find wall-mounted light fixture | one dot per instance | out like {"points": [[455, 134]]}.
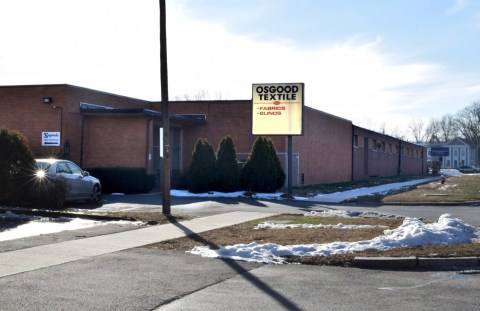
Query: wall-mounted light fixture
{"points": [[47, 100]]}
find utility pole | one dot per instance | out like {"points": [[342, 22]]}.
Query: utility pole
{"points": [[165, 111]]}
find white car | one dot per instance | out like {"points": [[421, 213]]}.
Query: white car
{"points": [[468, 169], [80, 185]]}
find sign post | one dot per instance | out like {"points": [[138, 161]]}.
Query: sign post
{"points": [[278, 110], [165, 111]]}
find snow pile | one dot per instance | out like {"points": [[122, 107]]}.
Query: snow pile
{"points": [[413, 232], [210, 194], [271, 225], [333, 213], [338, 197], [450, 172], [347, 214], [236, 194], [25, 225]]}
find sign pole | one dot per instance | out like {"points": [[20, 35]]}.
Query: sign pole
{"points": [[165, 111], [289, 161]]}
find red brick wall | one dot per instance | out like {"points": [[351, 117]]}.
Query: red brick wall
{"points": [[325, 148], [223, 118], [21, 108], [382, 162], [115, 141]]}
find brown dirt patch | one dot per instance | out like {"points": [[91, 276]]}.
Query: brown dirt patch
{"points": [[462, 188], [244, 233]]}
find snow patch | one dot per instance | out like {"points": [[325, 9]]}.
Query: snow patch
{"points": [[26, 225], [271, 225], [413, 232]]}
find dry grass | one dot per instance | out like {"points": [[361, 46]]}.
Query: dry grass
{"points": [[244, 233], [463, 188]]}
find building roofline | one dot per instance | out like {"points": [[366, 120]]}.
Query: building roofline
{"points": [[207, 101], [388, 136], [184, 119], [74, 87], [328, 114]]}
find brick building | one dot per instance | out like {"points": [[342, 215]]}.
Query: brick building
{"points": [[99, 129]]}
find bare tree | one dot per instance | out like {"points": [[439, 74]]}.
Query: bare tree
{"points": [[468, 125], [200, 95], [398, 135], [447, 127], [382, 129], [185, 96], [417, 129], [432, 130]]}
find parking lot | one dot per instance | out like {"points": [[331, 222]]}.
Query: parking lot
{"points": [[148, 279]]}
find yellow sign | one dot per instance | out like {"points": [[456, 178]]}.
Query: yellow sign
{"points": [[277, 109]]}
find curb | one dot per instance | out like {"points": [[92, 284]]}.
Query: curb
{"points": [[413, 262], [57, 214]]}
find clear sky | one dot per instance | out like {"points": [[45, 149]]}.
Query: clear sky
{"points": [[379, 63]]}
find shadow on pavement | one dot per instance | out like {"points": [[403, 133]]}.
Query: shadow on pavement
{"points": [[284, 301], [156, 200]]}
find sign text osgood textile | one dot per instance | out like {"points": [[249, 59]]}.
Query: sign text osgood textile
{"points": [[277, 109]]}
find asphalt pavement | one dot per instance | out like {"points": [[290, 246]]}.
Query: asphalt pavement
{"points": [[109, 269]]}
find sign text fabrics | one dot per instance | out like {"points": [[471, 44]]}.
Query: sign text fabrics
{"points": [[277, 109]]}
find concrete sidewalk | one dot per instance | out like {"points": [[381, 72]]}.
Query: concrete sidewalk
{"points": [[54, 254]]}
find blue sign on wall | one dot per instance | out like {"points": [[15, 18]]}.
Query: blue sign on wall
{"points": [[439, 151]]}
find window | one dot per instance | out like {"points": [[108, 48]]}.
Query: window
{"points": [[355, 141], [375, 144], [74, 169], [390, 148], [383, 146]]}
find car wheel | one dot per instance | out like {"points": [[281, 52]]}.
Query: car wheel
{"points": [[96, 195]]}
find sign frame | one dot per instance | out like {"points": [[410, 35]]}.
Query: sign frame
{"points": [[439, 152], [51, 139], [278, 109]]}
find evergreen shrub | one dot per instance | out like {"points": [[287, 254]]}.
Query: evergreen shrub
{"points": [[48, 192], [202, 173], [261, 172], [228, 174], [279, 173], [17, 165]]}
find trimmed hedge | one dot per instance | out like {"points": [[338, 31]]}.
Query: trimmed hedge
{"points": [[123, 179]]}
